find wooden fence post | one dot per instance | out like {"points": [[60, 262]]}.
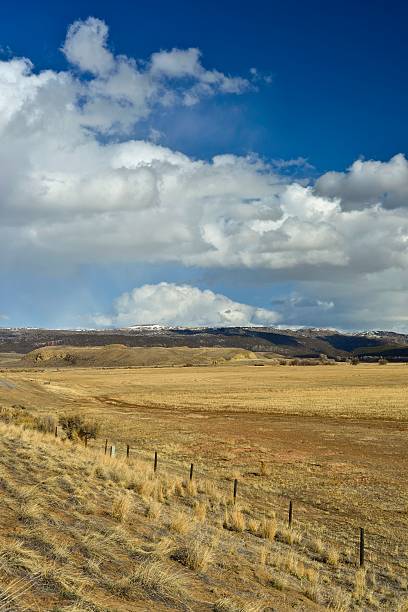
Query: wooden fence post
{"points": [[191, 471], [155, 462], [361, 546], [56, 431], [112, 450], [290, 516], [235, 490], [106, 446], [127, 451]]}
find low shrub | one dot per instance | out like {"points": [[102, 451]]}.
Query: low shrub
{"points": [[46, 423], [75, 426]]}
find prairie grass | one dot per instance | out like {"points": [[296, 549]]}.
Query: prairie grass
{"points": [[181, 523], [154, 509], [313, 592], [291, 564], [196, 554], [332, 556], [268, 528], [360, 585], [156, 578], [200, 511], [191, 488], [121, 507], [317, 546], [339, 600], [30, 511], [253, 526], [234, 520], [289, 535], [72, 536], [278, 582], [263, 556]]}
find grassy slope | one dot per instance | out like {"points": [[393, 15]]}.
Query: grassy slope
{"points": [[80, 531], [120, 355]]}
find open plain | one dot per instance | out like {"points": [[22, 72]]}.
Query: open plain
{"points": [[333, 439]]}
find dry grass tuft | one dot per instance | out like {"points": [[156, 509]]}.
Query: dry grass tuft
{"points": [[312, 592], [209, 488], [265, 577], [268, 528], [263, 556], [154, 509], [30, 511], [317, 546], [291, 563], [253, 526], [178, 488], [332, 556], [181, 523], [121, 507], [195, 554], [145, 488], [101, 472], [289, 535], [158, 579], [200, 511], [279, 583], [360, 584], [191, 488], [339, 600], [160, 549], [67, 484], [234, 520], [164, 547], [264, 469]]}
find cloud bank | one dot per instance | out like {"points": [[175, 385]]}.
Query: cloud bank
{"points": [[77, 188], [171, 304]]}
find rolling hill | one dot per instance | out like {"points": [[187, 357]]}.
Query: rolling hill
{"points": [[120, 355], [289, 343]]}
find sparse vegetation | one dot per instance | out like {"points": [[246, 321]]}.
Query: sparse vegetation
{"points": [[234, 520], [268, 528], [75, 426], [158, 579], [46, 423], [93, 529], [181, 523], [195, 554], [121, 507]]}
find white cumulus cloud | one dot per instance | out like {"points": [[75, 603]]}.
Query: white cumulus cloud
{"points": [[368, 183], [171, 304], [77, 188], [86, 46], [124, 90]]}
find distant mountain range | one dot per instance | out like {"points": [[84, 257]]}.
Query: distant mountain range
{"points": [[307, 342]]}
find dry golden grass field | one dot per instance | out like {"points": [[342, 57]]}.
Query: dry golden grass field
{"points": [[81, 531]]}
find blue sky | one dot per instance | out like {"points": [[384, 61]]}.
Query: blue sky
{"points": [[335, 66], [292, 92]]}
